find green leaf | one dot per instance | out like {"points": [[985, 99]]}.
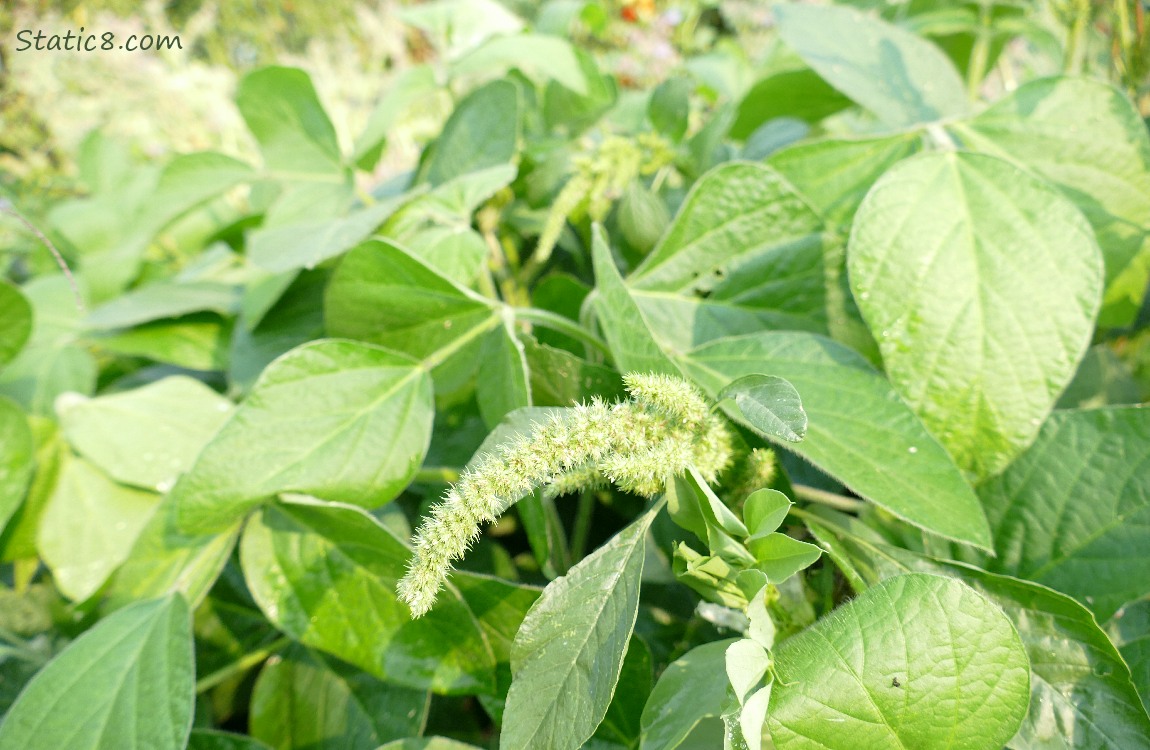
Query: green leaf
{"points": [[503, 385], [211, 739], [1073, 512], [338, 419], [89, 526], [980, 284], [780, 556], [383, 295], [126, 683], [17, 458], [196, 342], [621, 724], [550, 56], [147, 436], [482, 132], [427, 743], [571, 113], [326, 574], [408, 87], [916, 661], [669, 108], [627, 333], [308, 700], [568, 654], [747, 663], [834, 174], [769, 405], [16, 314], [686, 694], [765, 510], [800, 94], [306, 244], [1088, 139], [164, 299], [858, 430], [18, 539], [736, 217], [1081, 695], [284, 113], [900, 77]]}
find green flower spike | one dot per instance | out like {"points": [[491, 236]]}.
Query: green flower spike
{"points": [[638, 444]]}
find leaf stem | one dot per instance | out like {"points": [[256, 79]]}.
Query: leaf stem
{"points": [[241, 665], [829, 499], [582, 527], [980, 54], [557, 322]]}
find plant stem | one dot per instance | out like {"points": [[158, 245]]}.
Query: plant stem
{"points": [[582, 528], [437, 475], [980, 54], [241, 665], [829, 499], [556, 322], [1072, 62]]}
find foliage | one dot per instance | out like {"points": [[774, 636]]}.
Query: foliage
{"points": [[780, 404]]}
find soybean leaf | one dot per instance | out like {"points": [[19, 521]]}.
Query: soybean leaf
{"points": [[211, 739], [769, 405], [900, 77], [551, 56], [147, 436], [308, 700], [410, 86], [800, 94], [197, 342], [89, 526], [981, 285], [569, 651], [503, 385], [482, 132], [1087, 138], [1081, 694], [669, 108], [306, 561], [127, 682], [16, 312], [164, 299], [427, 743], [284, 113], [339, 419], [737, 218], [18, 539], [765, 510], [692, 688], [858, 430], [1096, 550], [834, 174], [17, 458], [287, 247], [781, 556], [627, 332], [383, 295], [858, 678]]}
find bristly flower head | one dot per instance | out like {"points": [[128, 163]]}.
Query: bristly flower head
{"points": [[638, 444]]}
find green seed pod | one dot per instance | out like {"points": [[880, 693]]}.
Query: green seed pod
{"points": [[642, 217]]}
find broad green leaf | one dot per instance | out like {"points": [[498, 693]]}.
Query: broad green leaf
{"points": [[482, 132], [669, 108], [900, 77], [427, 743], [769, 405], [408, 87], [212, 739], [287, 247], [800, 94], [306, 563], [16, 325], [835, 174], [504, 384], [196, 342], [747, 663], [765, 510], [737, 219], [781, 556], [1088, 139], [569, 651], [304, 699], [622, 723], [691, 689], [858, 430], [188, 181], [627, 332], [164, 299], [559, 378], [147, 436], [457, 253], [1073, 512], [981, 285], [126, 683], [1081, 695], [383, 295], [338, 419], [549, 56], [17, 458], [284, 113], [89, 526], [569, 112], [448, 204], [163, 561], [461, 25], [50, 363], [18, 540], [915, 661]]}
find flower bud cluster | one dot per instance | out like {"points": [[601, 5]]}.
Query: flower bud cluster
{"points": [[638, 444]]}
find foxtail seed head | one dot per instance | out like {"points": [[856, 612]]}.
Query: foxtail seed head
{"points": [[638, 444]]}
